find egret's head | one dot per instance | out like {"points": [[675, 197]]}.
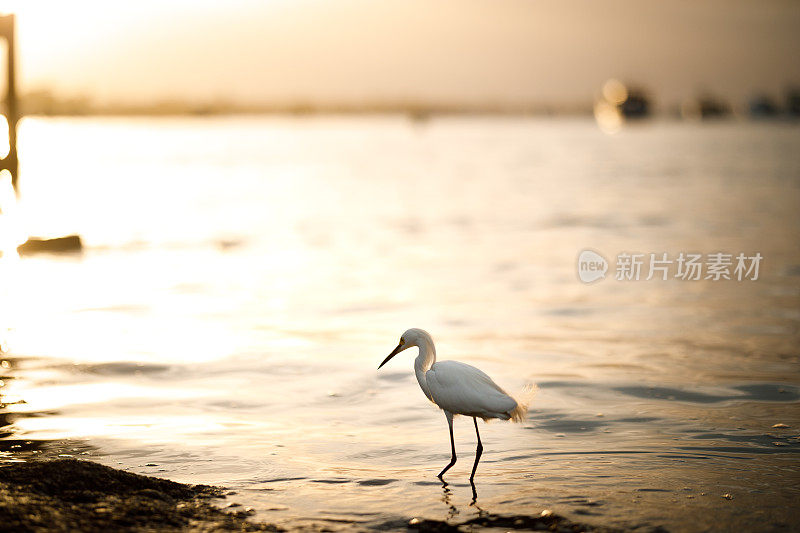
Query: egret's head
{"points": [[412, 337]]}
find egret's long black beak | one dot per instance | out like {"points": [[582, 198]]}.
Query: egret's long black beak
{"points": [[394, 352]]}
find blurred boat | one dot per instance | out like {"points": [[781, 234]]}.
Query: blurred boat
{"points": [[705, 107], [762, 106], [793, 102], [619, 103]]}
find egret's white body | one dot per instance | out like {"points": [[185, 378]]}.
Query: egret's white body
{"points": [[458, 389]]}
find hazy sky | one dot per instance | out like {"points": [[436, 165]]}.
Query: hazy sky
{"points": [[441, 50]]}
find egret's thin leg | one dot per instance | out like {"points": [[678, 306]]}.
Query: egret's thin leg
{"points": [[474, 492], [478, 451], [449, 416]]}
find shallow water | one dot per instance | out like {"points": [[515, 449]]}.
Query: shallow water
{"points": [[244, 277]]}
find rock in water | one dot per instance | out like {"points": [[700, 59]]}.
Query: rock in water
{"points": [[70, 243]]}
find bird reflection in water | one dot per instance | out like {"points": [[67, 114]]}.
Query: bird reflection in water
{"points": [[446, 498], [453, 511]]}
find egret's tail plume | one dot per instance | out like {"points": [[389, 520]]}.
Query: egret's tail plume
{"points": [[520, 412]]}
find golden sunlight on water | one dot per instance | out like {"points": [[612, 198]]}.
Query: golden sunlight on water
{"points": [[243, 278]]}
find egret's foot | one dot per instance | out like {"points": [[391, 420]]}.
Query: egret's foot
{"points": [[445, 470]]}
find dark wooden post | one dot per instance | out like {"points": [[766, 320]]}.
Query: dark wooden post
{"points": [[10, 162]]}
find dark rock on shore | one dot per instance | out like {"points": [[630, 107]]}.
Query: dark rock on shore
{"points": [[71, 495]]}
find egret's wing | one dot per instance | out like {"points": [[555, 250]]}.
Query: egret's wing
{"points": [[464, 389]]}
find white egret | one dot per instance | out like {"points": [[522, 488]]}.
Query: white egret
{"points": [[458, 389]]}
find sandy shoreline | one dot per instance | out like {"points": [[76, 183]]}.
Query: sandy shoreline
{"points": [[79, 495], [75, 495]]}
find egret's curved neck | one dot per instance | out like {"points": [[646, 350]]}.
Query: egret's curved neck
{"points": [[426, 357], [423, 363]]}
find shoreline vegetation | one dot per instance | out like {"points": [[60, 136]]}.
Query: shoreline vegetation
{"points": [[44, 102], [80, 495]]}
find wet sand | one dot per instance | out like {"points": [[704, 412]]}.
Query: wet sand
{"points": [[75, 495]]}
